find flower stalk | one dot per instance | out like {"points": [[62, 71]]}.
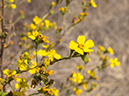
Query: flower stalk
{"points": [[2, 40]]}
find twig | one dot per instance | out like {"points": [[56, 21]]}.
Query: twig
{"points": [[2, 40]]}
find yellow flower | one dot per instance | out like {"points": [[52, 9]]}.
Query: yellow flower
{"points": [[54, 24], [77, 91], [85, 84], [34, 35], [32, 26], [86, 13], [47, 23], [33, 67], [110, 50], [36, 20], [11, 0], [77, 77], [21, 84], [22, 66], [80, 67], [101, 48], [91, 73], [93, 3], [46, 62], [50, 72], [30, 57], [12, 74], [1, 80], [42, 52], [34, 52], [29, 33], [114, 62], [55, 91], [45, 46], [20, 43], [45, 89], [81, 46], [5, 45], [1, 87], [53, 3], [11, 43], [29, 1], [52, 54], [23, 38], [82, 14], [13, 6], [45, 39], [62, 9], [34, 70], [6, 72]]}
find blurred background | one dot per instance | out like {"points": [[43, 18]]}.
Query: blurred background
{"points": [[106, 25]]}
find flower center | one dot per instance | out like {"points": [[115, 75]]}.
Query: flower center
{"points": [[81, 46]]}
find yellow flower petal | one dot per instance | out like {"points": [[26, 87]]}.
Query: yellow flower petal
{"points": [[88, 71], [93, 4], [11, 0], [110, 50], [111, 61], [13, 72], [117, 63], [57, 56], [6, 72], [88, 50], [19, 80], [74, 75], [13, 6], [29, 1], [116, 59], [42, 52], [81, 39], [73, 45], [32, 37], [17, 86], [111, 65], [89, 44], [80, 51]]}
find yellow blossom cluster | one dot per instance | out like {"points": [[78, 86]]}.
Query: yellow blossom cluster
{"points": [[50, 54], [91, 73], [45, 55], [39, 24], [38, 37], [77, 91], [10, 74], [109, 50], [49, 91], [23, 61], [22, 83], [12, 5]]}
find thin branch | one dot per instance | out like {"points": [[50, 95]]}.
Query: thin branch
{"points": [[2, 40]]}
